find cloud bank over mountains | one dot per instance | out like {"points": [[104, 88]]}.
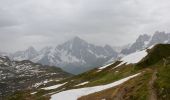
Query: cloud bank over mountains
{"points": [[50, 22]]}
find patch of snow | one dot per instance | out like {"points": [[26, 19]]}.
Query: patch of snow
{"points": [[97, 55], [58, 79], [146, 44], [74, 94], [33, 93], [37, 84], [53, 87], [1, 60], [101, 56], [105, 66], [98, 70], [91, 51], [82, 83], [166, 41], [133, 58], [41, 83], [151, 47], [47, 81], [66, 57]]}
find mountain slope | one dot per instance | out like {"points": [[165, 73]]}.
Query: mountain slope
{"points": [[75, 56], [151, 70], [20, 75]]}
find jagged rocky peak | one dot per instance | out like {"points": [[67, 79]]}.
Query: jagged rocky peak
{"points": [[46, 49], [70, 55], [25, 55], [159, 37], [110, 50], [143, 38], [77, 39], [31, 49], [140, 43], [75, 42], [108, 46], [144, 41]]}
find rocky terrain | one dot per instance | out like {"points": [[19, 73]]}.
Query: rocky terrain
{"points": [[21, 75]]}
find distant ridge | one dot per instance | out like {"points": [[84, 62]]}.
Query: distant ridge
{"points": [[145, 40], [75, 55]]}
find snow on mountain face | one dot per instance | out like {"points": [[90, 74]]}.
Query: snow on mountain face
{"points": [[145, 41], [73, 54]]}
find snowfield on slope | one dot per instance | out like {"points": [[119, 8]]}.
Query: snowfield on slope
{"points": [[82, 83], [133, 58], [103, 67], [74, 94], [53, 87]]}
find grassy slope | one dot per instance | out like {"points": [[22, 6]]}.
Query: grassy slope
{"points": [[156, 54], [134, 89], [162, 83], [95, 78], [138, 88]]}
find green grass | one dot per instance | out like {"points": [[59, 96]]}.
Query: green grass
{"points": [[134, 89], [163, 82], [112, 75], [140, 90], [25, 95]]}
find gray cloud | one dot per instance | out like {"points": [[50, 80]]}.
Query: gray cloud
{"points": [[49, 22]]}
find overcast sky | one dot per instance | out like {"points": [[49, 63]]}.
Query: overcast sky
{"points": [[50, 22]]}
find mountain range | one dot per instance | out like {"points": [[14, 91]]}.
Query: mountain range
{"points": [[145, 40], [77, 55], [74, 56]]}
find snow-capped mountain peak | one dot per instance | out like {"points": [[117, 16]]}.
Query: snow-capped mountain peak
{"points": [[72, 54]]}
